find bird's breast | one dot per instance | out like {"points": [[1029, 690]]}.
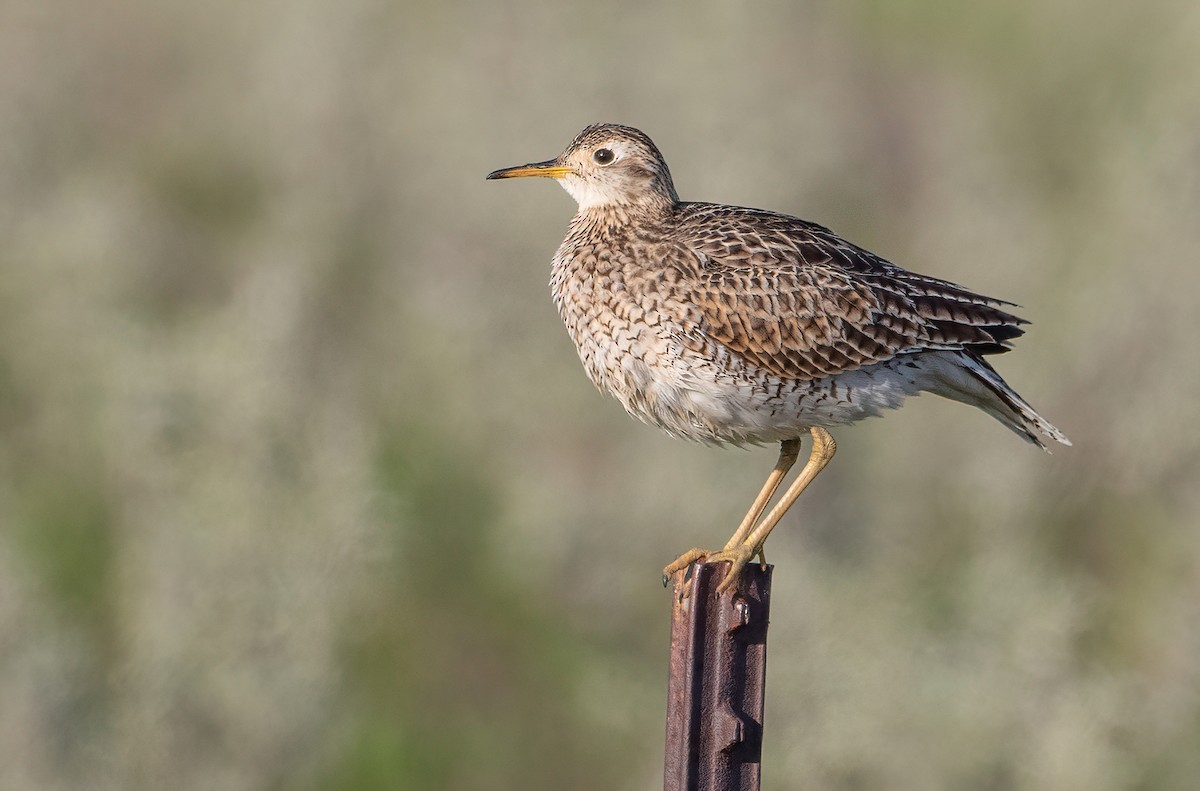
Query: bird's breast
{"points": [[635, 329], [612, 313]]}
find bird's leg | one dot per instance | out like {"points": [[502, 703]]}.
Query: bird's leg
{"points": [[823, 449], [789, 451]]}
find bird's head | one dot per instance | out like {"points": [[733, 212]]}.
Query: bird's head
{"points": [[607, 165]]}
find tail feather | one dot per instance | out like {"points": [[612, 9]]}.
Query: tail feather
{"points": [[971, 380]]}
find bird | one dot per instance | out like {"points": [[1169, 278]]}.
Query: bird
{"points": [[736, 326]]}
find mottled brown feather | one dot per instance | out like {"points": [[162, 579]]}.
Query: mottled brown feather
{"points": [[809, 304]]}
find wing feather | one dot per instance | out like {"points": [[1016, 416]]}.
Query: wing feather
{"points": [[800, 302]]}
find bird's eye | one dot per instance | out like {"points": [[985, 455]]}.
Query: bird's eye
{"points": [[604, 156]]}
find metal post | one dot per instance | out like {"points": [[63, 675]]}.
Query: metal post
{"points": [[718, 673]]}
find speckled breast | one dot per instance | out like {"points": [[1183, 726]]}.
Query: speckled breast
{"points": [[613, 313]]}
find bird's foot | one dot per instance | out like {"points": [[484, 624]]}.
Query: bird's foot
{"points": [[683, 561], [738, 557]]}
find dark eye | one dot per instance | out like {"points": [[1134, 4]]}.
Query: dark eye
{"points": [[604, 156]]}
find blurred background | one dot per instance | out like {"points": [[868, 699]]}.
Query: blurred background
{"points": [[302, 485]]}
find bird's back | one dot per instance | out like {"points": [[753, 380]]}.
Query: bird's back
{"points": [[797, 300]]}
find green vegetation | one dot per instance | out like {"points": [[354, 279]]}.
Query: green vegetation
{"points": [[301, 486]]}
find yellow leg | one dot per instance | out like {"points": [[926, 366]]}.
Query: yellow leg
{"points": [[789, 451], [823, 449]]}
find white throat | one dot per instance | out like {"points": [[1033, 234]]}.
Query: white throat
{"points": [[584, 192]]}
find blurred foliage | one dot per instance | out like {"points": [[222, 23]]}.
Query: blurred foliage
{"points": [[426, 656], [301, 485]]}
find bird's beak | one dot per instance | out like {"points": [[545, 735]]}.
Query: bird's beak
{"points": [[548, 169]]}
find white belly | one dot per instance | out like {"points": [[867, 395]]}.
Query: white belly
{"points": [[699, 400]]}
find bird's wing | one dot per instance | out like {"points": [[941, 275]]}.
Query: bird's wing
{"points": [[798, 301]]}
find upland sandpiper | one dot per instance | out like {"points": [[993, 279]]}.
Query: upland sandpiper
{"points": [[732, 325]]}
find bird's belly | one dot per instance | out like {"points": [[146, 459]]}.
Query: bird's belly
{"points": [[703, 400]]}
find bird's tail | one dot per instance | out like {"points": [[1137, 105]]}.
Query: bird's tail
{"points": [[972, 381]]}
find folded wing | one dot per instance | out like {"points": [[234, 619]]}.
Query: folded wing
{"points": [[798, 301]]}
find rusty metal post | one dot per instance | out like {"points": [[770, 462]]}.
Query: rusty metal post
{"points": [[718, 674]]}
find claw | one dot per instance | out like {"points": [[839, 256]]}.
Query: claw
{"points": [[685, 560]]}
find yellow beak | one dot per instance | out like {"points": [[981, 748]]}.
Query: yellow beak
{"points": [[548, 169]]}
